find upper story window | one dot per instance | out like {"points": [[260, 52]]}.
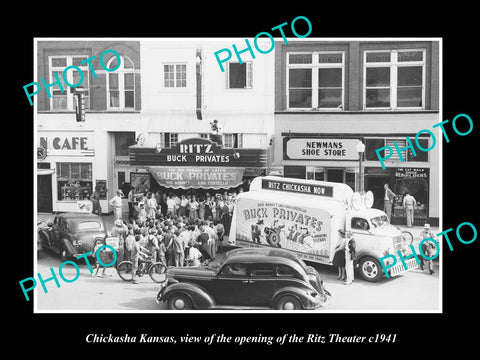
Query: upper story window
{"points": [[121, 84], [175, 75], [239, 76], [64, 100], [168, 140], [233, 141], [315, 80], [123, 140], [394, 79]]}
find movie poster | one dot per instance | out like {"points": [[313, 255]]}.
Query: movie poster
{"points": [[304, 230]]}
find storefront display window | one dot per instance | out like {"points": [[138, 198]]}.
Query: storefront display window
{"points": [[74, 181], [350, 179], [315, 173], [415, 182]]}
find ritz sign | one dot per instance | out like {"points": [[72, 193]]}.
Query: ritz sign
{"points": [[195, 148]]}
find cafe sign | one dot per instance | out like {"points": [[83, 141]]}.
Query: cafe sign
{"points": [[180, 177], [320, 149], [67, 143]]}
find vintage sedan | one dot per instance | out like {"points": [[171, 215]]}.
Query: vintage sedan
{"points": [[246, 278], [72, 234]]}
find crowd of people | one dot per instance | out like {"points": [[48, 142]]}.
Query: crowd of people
{"points": [[183, 230]]}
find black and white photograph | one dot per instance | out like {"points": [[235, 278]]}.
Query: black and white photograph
{"points": [[238, 174], [288, 182]]}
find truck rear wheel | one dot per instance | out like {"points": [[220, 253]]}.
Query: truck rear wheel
{"points": [[370, 269]]}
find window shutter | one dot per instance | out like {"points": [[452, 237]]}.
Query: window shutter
{"points": [[249, 75]]}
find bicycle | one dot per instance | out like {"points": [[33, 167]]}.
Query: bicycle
{"points": [[156, 270]]}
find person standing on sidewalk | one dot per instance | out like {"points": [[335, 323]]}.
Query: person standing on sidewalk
{"points": [[428, 248], [409, 203], [350, 255], [178, 249], [388, 201], [116, 204], [130, 203], [97, 209], [339, 257], [120, 230]]}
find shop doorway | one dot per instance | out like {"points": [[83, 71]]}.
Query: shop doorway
{"points": [[122, 176], [376, 185], [44, 193]]}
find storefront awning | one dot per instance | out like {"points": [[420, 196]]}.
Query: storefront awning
{"points": [[45, 171], [200, 177]]}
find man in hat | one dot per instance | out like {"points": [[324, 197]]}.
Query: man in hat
{"points": [[428, 248], [116, 204]]}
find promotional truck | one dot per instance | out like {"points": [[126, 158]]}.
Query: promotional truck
{"points": [[304, 216]]}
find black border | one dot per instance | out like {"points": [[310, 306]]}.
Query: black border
{"points": [[417, 333]]}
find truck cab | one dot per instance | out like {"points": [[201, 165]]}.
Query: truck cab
{"points": [[375, 237]]}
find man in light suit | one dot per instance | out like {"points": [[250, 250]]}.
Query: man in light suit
{"points": [[409, 203], [388, 201]]}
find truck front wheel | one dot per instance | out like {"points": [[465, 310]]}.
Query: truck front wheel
{"points": [[370, 269]]}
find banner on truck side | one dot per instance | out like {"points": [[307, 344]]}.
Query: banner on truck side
{"points": [[303, 230]]}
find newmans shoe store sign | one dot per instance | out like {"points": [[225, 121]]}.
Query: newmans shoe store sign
{"points": [[320, 149]]}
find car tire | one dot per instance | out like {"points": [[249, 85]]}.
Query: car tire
{"points": [[370, 269], [288, 302], [179, 301]]}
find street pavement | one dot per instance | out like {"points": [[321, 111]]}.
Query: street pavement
{"points": [[413, 291]]}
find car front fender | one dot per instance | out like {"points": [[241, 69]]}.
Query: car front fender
{"points": [[200, 297]]}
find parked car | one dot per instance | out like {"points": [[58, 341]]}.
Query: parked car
{"points": [[246, 278], [72, 234]]}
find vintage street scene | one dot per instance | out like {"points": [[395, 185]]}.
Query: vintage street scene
{"points": [[198, 174]]}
